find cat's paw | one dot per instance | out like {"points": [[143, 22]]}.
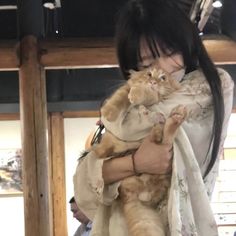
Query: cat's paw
{"points": [[110, 113], [143, 110], [134, 96], [178, 114], [173, 122]]}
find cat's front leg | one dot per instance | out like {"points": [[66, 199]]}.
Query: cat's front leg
{"points": [[136, 95], [175, 119], [116, 103], [110, 112], [105, 147]]}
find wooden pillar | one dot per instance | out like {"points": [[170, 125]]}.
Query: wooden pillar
{"points": [[33, 116], [57, 163]]}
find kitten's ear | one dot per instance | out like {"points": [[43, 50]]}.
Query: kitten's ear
{"points": [[131, 71]]}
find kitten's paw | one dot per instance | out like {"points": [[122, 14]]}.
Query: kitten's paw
{"points": [[134, 96], [110, 113], [175, 119], [143, 110], [178, 114]]}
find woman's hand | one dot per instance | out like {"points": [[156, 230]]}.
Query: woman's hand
{"points": [[152, 158]]}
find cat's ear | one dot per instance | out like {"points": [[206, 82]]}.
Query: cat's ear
{"points": [[131, 71]]}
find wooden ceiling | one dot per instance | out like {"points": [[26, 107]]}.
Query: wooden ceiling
{"points": [[96, 18]]}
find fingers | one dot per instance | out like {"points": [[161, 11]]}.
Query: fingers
{"points": [[154, 158]]}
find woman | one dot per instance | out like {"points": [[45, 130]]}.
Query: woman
{"points": [[157, 31]]}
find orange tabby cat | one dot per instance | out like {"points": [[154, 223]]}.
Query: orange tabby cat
{"points": [[141, 195], [146, 87]]}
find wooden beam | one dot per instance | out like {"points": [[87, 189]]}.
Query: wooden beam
{"points": [[79, 114], [8, 55], [101, 53], [78, 53], [10, 116], [57, 163], [85, 53], [66, 53], [221, 51], [33, 116]]}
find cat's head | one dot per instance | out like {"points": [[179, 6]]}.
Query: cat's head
{"points": [[154, 79]]}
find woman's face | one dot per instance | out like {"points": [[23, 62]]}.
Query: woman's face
{"points": [[170, 63]]}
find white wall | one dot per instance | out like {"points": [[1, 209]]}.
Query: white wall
{"points": [[12, 208], [231, 133], [76, 132]]}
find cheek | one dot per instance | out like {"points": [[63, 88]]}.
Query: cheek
{"points": [[178, 58], [170, 64], [166, 64]]}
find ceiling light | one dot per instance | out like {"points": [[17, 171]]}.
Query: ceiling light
{"points": [[50, 4], [217, 4], [8, 7]]}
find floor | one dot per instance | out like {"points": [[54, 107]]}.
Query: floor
{"points": [[224, 198]]}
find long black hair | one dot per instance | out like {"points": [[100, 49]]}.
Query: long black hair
{"points": [[163, 22]]}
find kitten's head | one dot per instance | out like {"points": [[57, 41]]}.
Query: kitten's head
{"points": [[154, 79]]}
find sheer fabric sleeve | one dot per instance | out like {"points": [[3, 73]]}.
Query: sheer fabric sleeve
{"points": [[89, 187]]}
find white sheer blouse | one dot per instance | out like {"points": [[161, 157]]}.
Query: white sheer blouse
{"points": [[188, 208]]}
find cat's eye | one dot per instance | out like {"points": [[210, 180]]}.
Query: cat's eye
{"points": [[162, 77]]}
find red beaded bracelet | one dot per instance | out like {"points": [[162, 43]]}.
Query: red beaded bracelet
{"points": [[134, 166]]}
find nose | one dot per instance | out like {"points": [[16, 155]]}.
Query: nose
{"points": [[153, 82]]}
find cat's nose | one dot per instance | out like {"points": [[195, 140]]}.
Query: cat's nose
{"points": [[153, 82]]}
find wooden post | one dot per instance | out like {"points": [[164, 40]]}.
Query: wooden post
{"points": [[57, 163], [33, 116]]}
